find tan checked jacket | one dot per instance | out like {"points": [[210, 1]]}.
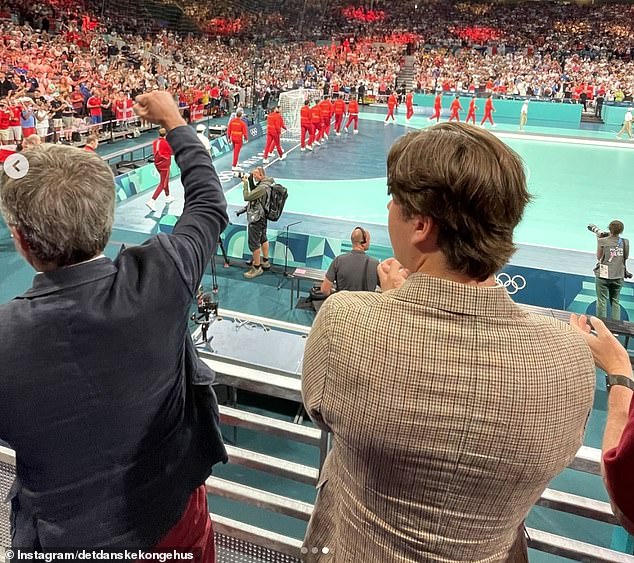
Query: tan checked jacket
{"points": [[451, 410]]}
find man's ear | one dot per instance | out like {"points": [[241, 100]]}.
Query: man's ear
{"points": [[425, 230]]}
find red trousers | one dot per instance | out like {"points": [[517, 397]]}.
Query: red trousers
{"points": [[470, 117], [436, 114], [272, 141], [390, 113], [237, 147], [352, 118], [307, 128], [454, 115], [325, 126], [410, 112], [488, 115], [164, 183], [338, 120], [194, 531], [318, 131]]}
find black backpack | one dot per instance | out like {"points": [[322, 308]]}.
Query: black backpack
{"points": [[275, 199]]}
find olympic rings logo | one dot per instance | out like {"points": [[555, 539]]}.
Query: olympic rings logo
{"points": [[253, 131], [511, 284]]}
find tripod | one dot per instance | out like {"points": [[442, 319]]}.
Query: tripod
{"points": [[207, 314], [214, 275], [286, 274]]}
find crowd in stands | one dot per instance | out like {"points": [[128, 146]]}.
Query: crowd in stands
{"points": [[58, 54]]}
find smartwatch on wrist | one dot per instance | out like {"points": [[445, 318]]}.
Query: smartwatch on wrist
{"points": [[612, 380]]}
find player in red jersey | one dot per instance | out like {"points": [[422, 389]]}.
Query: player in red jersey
{"points": [[488, 111], [409, 105], [437, 108], [306, 127], [325, 107], [274, 127], [338, 108], [471, 113], [163, 162], [392, 102], [315, 119], [454, 109], [237, 132], [353, 115]]}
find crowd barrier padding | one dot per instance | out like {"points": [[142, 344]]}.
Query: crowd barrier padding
{"points": [[613, 115], [544, 288], [559, 114]]}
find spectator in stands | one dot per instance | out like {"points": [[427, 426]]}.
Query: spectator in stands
{"points": [[93, 104], [354, 270], [5, 116], [612, 253], [126, 426], [441, 445], [254, 191], [42, 120], [6, 85], [618, 438]]}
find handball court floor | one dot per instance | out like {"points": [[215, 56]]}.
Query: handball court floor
{"points": [[576, 177]]}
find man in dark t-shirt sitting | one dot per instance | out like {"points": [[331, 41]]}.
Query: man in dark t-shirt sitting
{"points": [[355, 270]]}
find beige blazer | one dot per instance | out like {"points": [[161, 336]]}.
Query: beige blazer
{"points": [[451, 410]]}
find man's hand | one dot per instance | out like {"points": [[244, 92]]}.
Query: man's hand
{"points": [[159, 107], [391, 274], [607, 351]]}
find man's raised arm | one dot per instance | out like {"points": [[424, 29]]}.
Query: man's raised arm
{"points": [[204, 215]]}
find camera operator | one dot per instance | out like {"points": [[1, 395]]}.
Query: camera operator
{"points": [[254, 191], [612, 253]]}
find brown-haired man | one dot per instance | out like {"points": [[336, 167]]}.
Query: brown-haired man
{"points": [[449, 414]]}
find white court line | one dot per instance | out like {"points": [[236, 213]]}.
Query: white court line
{"points": [[566, 140], [533, 136]]}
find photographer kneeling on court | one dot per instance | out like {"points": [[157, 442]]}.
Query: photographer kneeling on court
{"points": [[254, 190], [354, 270], [612, 253]]}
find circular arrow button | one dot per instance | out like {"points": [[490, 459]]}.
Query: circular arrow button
{"points": [[16, 166]]}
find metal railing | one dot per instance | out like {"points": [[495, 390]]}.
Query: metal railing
{"points": [[278, 547]]}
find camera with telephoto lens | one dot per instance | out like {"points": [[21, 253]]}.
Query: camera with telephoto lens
{"points": [[600, 234]]}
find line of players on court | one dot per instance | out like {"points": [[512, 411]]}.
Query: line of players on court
{"points": [[315, 123], [317, 119]]}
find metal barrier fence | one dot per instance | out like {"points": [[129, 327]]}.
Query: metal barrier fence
{"points": [[238, 541]]}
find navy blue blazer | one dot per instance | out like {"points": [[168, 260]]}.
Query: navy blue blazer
{"points": [[102, 396]]}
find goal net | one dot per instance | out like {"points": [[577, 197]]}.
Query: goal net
{"points": [[291, 103]]}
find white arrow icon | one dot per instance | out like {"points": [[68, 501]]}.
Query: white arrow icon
{"points": [[16, 166]]}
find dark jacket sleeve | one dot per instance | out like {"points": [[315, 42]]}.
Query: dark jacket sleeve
{"points": [[204, 215]]}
